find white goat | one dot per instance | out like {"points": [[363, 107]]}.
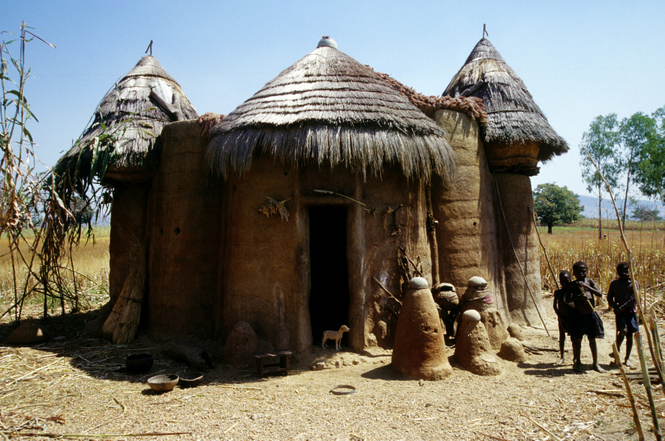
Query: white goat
{"points": [[334, 335]]}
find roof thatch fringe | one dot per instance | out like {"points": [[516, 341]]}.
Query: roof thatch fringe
{"points": [[328, 107], [512, 115], [132, 114], [428, 104]]}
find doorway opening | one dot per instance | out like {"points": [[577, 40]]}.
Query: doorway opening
{"points": [[329, 294]]}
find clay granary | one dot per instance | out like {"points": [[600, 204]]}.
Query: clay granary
{"points": [[314, 202]]}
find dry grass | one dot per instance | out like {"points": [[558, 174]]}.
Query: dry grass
{"points": [[91, 265], [569, 244], [75, 388]]}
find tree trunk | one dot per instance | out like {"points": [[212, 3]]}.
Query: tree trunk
{"points": [[600, 212], [549, 228]]}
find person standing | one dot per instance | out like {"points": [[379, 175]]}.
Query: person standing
{"points": [[621, 297], [584, 320], [563, 312]]}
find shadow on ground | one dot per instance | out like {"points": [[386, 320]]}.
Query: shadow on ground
{"points": [[101, 359]]}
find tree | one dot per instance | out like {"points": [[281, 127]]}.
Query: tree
{"points": [[650, 171], [643, 214], [600, 146], [637, 132], [554, 204]]}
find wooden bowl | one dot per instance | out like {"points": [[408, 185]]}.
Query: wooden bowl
{"points": [[191, 379], [163, 383], [138, 363]]}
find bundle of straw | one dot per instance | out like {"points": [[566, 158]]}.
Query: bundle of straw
{"points": [[123, 322]]}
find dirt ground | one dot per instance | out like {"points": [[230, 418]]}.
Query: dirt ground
{"points": [[75, 387]]}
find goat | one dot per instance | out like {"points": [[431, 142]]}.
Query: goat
{"points": [[334, 335]]}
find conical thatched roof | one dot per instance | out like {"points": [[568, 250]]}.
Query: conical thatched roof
{"points": [[512, 114], [329, 108], [133, 113]]}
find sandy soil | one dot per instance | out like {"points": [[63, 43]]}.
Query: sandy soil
{"points": [[76, 388]]}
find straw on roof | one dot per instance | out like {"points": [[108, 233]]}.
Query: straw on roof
{"points": [[329, 108], [429, 104], [512, 114], [134, 110]]}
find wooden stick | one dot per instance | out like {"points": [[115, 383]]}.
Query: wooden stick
{"points": [[34, 371], [386, 290], [542, 245], [490, 436], [656, 336], [544, 429], [538, 348], [239, 387], [629, 392], [102, 435], [229, 429], [647, 386]]}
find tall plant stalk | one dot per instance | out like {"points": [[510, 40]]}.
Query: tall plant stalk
{"points": [[39, 211], [641, 312]]}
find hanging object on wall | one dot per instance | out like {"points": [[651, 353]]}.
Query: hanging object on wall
{"points": [[275, 207]]}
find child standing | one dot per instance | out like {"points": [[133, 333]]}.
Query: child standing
{"points": [[563, 311], [584, 319], [621, 297]]}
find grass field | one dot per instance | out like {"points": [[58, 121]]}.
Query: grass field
{"points": [[564, 247]]}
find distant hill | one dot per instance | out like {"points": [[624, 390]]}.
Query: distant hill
{"points": [[590, 204]]}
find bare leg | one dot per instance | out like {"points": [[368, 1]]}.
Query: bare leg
{"points": [[577, 349], [619, 340], [629, 349], [562, 344], [594, 354]]}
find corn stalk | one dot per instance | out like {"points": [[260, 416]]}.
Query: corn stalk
{"points": [[40, 212], [640, 310]]}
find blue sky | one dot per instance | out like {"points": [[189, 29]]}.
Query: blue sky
{"points": [[579, 59]]}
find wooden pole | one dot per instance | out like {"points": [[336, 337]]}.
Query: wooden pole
{"points": [[431, 235], [533, 217], [629, 393], [647, 386]]}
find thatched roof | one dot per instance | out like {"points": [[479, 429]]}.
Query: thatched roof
{"points": [[512, 114], [133, 112], [329, 108], [429, 104]]}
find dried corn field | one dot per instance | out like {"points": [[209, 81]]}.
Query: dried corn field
{"points": [[568, 245]]}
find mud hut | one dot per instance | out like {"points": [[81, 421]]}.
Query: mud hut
{"points": [[339, 162], [516, 135], [122, 145], [312, 204]]}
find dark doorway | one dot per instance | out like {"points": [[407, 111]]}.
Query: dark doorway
{"points": [[329, 295]]}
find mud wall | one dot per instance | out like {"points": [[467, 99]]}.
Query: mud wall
{"points": [[265, 270], [184, 236], [519, 245], [467, 231], [129, 216]]}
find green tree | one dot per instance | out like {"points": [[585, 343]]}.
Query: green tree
{"points": [[644, 214], [650, 171], [637, 132], [554, 204], [600, 146]]}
